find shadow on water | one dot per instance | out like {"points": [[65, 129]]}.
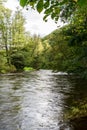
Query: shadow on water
{"points": [[77, 98], [38, 100]]}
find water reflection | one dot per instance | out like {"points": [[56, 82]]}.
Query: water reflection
{"points": [[34, 101]]}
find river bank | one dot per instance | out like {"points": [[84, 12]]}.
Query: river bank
{"points": [[79, 123]]}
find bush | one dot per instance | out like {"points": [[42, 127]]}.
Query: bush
{"points": [[18, 61]]}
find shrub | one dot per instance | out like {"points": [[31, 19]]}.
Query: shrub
{"points": [[18, 61]]}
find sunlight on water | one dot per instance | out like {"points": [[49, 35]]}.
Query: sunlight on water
{"points": [[33, 101]]}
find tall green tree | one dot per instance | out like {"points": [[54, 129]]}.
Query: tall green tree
{"points": [[17, 29], [76, 35], [32, 50], [5, 15]]}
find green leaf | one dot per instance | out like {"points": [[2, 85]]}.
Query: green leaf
{"points": [[48, 11], [44, 18], [23, 2], [46, 4], [63, 2], [82, 2], [53, 15], [40, 6], [32, 2]]}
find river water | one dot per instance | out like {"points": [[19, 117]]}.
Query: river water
{"points": [[37, 100]]}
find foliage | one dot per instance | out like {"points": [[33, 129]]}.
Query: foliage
{"points": [[17, 29], [55, 8], [17, 60], [4, 67], [28, 69], [20, 49], [77, 111], [59, 51], [14, 40], [63, 50], [5, 15], [69, 46], [76, 34]]}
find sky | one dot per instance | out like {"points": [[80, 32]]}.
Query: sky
{"points": [[34, 20]]}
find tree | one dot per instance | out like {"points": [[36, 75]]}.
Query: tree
{"points": [[55, 8], [17, 29], [76, 35], [31, 51], [59, 50], [69, 46], [17, 59], [5, 15]]}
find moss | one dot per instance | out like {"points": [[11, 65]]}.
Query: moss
{"points": [[28, 69]]}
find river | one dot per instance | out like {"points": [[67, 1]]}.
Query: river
{"points": [[37, 100]]}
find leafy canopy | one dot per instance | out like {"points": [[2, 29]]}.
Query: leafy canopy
{"points": [[54, 8]]}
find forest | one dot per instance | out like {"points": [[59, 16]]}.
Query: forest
{"points": [[65, 49]]}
